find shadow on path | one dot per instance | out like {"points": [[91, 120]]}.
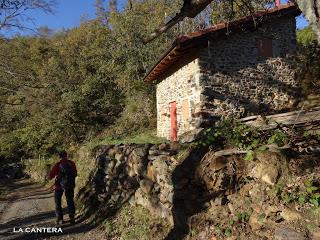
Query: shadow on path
{"points": [[27, 221], [26, 199], [79, 227]]}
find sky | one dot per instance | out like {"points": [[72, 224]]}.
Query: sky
{"points": [[68, 14]]}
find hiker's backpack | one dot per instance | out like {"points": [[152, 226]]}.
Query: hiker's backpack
{"points": [[66, 177]]}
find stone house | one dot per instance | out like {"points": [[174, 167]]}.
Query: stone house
{"points": [[233, 69]]}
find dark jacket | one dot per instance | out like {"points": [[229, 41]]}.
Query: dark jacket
{"points": [[55, 171]]}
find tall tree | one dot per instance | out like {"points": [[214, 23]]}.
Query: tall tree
{"points": [[113, 5], [14, 13], [56, 89], [101, 13]]}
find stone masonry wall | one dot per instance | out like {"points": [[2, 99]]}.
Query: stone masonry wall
{"points": [[182, 87], [146, 175], [236, 82]]}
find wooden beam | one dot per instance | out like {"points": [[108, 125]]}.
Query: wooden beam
{"points": [[290, 118]]}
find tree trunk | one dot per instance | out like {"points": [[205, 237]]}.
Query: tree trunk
{"points": [[311, 10]]}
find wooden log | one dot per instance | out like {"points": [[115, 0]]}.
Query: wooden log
{"points": [[295, 118], [226, 152], [235, 151]]}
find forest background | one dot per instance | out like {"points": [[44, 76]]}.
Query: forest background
{"points": [[61, 89]]}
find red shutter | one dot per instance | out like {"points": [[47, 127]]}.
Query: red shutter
{"points": [[264, 46]]}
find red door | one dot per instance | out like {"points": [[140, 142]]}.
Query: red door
{"points": [[173, 130]]}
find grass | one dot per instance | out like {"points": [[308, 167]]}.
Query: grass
{"points": [[132, 223], [144, 137], [85, 163]]}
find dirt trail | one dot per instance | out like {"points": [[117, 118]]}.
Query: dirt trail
{"points": [[31, 205]]}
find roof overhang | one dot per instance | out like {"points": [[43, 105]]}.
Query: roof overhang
{"points": [[184, 44]]}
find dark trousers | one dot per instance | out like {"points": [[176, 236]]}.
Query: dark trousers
{"points": [[69, 198]]}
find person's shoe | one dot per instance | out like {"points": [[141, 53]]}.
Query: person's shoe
{"points": [[59, 221], [72, 221]]}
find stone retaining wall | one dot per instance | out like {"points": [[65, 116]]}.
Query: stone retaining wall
{"points": [[141, 174]]}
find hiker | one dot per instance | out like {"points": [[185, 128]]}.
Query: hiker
{"points": [[65, 172]]}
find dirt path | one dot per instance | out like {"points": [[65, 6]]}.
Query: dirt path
{"points": [[31, 206]]}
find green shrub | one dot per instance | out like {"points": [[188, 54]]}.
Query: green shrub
{"points": [[308, 61], [306, 36], [137, 116], [308, 193], [39, 168], [11, 147], [278, 137], [228, 132]]}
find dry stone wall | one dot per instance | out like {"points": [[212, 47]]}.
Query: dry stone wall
{"points": [[199, 190], [142, 175], [237, 82]]}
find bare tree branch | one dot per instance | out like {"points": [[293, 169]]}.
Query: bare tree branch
{"points": [[191, 8], [13, 12]]}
